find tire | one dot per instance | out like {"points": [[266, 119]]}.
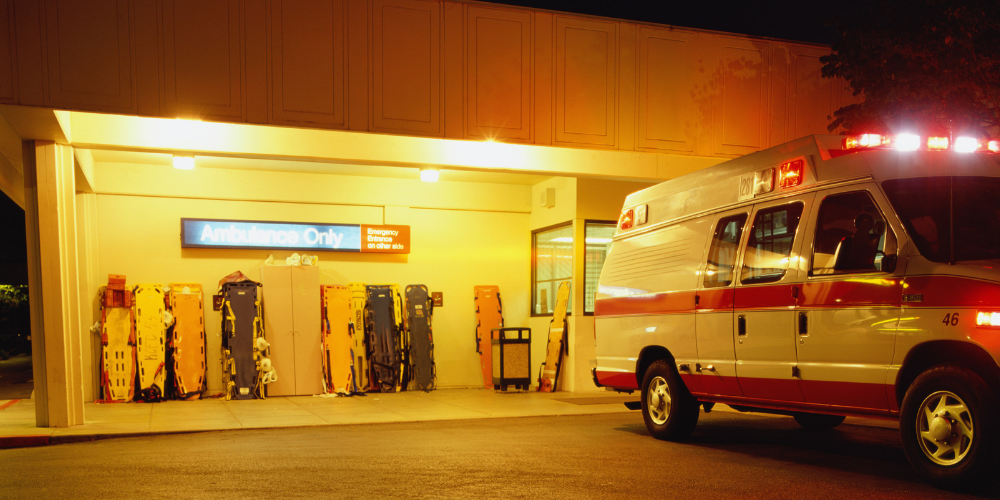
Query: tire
{"points": [[817, 421], [669, 410], [949, 427]]}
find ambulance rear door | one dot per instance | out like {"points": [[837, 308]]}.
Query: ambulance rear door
{"points": [[766, 292]]}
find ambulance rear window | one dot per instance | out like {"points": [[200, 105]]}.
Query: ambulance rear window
{"points": [[929, 205]]}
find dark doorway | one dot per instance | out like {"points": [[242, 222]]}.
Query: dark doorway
{"points": [[16, 379]]}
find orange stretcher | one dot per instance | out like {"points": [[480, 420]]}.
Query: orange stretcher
{"points": [[151, 335], [117, 341], [187, 340], [489, 315], [338, 339], [558, 335]]}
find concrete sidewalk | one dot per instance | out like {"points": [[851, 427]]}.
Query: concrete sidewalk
{"points": [[17, 418]]}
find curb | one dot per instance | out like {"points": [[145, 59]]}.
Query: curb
{"points": [[11, 442], [24, 441]]}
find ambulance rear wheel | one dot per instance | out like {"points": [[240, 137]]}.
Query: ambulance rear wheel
{"points": [[818, 422], [669, 410], [949, 427]]}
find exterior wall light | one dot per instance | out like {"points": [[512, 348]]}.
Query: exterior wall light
{"points": [[429, 174], [184, 162]]}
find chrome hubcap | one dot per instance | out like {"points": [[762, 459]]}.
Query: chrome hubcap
{"points": [[944, 428], [658, 400]]}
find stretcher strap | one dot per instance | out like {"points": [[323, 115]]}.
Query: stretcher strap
{"points": [[231, 318]]}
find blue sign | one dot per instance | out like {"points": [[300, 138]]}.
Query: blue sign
{"points": [[211, 233]]}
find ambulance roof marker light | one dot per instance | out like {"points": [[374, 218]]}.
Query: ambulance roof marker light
{"points": [[790, 173], [625, 221], [993, 146], [967, 145], [937, 143], [907, 142]]}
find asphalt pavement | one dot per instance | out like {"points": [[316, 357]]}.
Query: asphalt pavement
{"points": [[609, 455]]}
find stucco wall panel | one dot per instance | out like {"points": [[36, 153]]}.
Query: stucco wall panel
{"points": [[741, 100], [406, 66], [667, 80], [813, 98], [586, 54], [420, 68], [88, 60], [498, 74], [308, 63], [203, 59], [8, 89]]}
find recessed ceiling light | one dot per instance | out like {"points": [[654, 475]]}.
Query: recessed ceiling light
{"points": [[429, 174], [184, 162]]}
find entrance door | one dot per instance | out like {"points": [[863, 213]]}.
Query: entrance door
{"points": [[846, 321], [765, 298]]}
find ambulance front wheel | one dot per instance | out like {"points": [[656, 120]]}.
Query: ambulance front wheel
{"points": [[949, 427], [669, 410]]}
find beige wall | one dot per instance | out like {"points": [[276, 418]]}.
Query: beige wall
{"points": [[453, 250], [453, 69]]}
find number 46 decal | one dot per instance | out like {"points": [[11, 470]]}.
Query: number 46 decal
{"points": [[950, 319]]}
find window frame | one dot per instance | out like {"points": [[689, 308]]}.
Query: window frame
{"points": [[815, 221], [534, 268], [746, 212], [586, 222], [804, 214]]}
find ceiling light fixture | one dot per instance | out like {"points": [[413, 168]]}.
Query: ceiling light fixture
{"points": [[184, 162], [429, 174]]}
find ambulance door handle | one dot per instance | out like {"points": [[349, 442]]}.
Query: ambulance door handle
{"points": [[803, 324], [741, 325]]}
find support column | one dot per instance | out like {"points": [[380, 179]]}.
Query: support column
{"points": [[50, 220]]}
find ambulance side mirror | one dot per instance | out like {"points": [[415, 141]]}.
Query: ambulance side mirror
{"points": [[886, 263]]}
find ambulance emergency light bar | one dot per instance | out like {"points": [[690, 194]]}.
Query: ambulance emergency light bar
{"points": [[218, 233], [913, 142]]}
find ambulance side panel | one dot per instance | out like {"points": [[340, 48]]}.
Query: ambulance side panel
{"points": [[646, 300]]}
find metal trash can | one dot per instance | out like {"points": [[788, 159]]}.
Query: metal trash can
{"points": [[511, 358]]}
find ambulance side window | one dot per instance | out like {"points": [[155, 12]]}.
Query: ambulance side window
{"points": [[851, 236], [770, 244], [722, 254]]}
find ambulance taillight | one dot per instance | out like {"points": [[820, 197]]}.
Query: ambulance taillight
{"points": [[790, 173]]}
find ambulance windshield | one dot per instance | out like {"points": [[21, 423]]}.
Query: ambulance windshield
{"points": [[930, 206]]}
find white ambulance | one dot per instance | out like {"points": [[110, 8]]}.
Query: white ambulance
{"points": [[823, 278]]}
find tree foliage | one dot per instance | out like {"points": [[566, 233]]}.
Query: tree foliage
{"points": [[931, 66]]}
